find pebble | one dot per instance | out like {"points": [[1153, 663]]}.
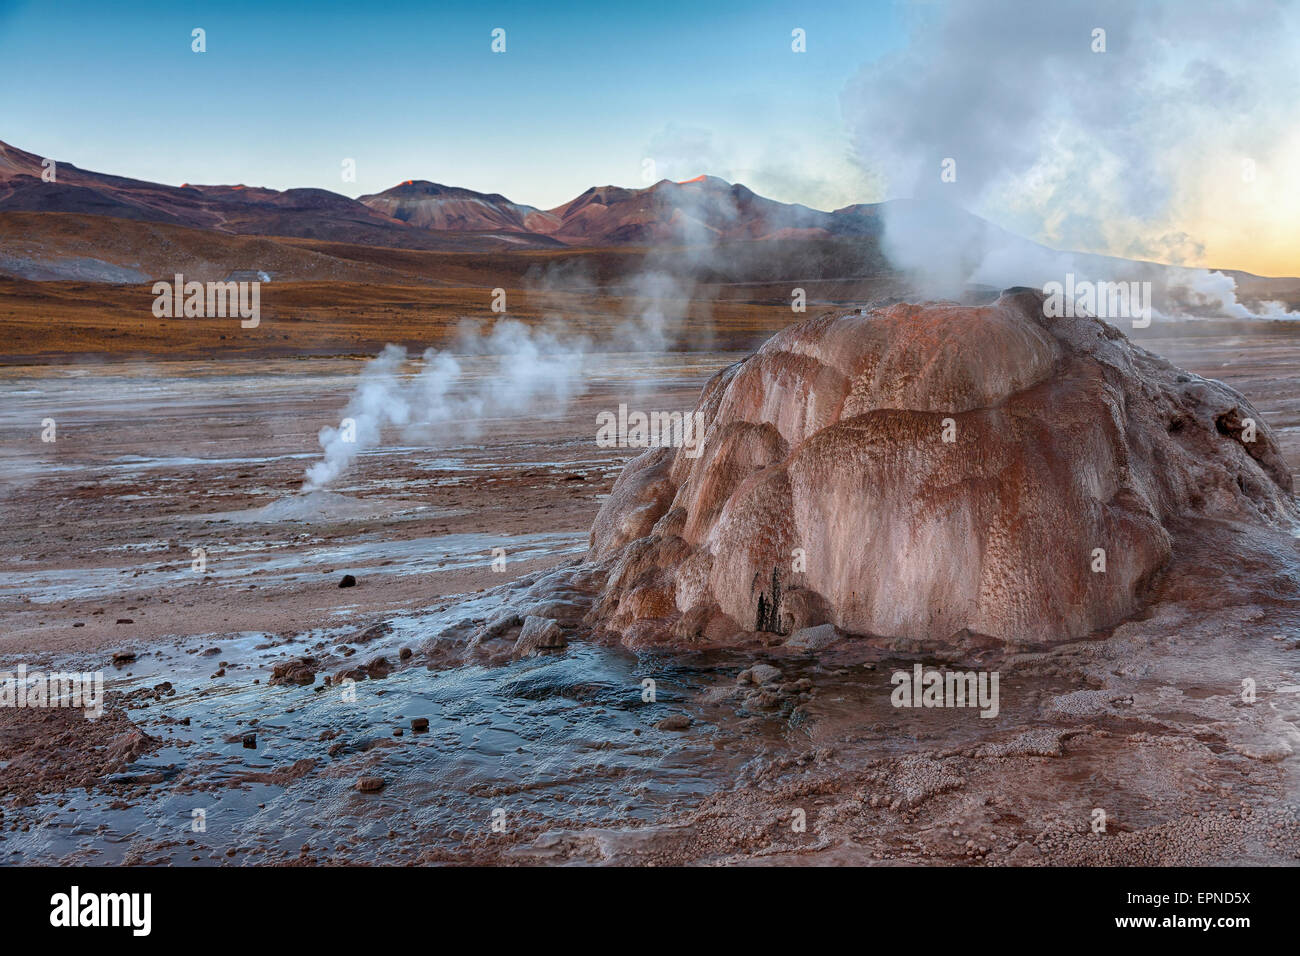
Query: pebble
{"points": [[674, 722]]}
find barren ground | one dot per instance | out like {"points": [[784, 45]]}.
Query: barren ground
{"points": [[154, 459]]}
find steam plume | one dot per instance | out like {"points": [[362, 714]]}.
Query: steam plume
{"points": [[447, 399], [1126, 152]]}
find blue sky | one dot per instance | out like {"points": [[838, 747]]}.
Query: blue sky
{"points": [[584, 93]]}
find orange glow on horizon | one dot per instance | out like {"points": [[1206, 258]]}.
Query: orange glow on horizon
{"points": [[697, 179]]}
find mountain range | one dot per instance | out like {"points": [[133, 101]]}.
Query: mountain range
{"points": [[418, 214], [94, 227]]}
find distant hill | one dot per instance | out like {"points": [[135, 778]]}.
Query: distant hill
{"points": [[429, 205], [706, 209], [240, 210]]}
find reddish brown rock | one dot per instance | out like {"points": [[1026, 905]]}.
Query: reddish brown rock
{"points": [[300, 670], [925, 470]]}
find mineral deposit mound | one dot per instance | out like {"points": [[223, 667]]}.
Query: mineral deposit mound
{"points": [[923, 471]]}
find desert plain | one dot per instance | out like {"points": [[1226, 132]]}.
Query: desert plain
{"points": [[259, 713]]}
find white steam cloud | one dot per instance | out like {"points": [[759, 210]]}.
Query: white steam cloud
{"points": [[447, 400], [518, 368], [1184, 123]]}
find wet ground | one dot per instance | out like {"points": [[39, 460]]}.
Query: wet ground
{"points": [[567, 756], [151, 462]]}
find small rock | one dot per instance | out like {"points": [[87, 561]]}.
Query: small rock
{"points": [[250, 741], [763, 673], [419, 724], [370, 784], [300, 670], [375, 630], [348, 581], [813, 638], [674, 722], [123, 657], [377, 667], [539, 634]]}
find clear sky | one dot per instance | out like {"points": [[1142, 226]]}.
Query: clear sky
{"points": [[584, 93]]}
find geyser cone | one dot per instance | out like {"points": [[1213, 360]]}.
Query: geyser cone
{"points": [[928, 469]]}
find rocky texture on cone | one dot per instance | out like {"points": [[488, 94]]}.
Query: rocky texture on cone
{"points": [[924, 470]]}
